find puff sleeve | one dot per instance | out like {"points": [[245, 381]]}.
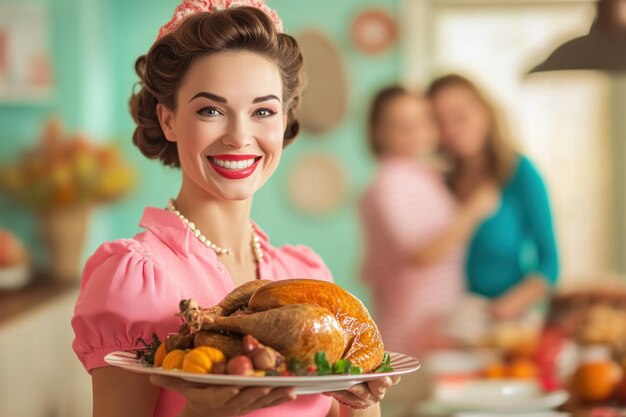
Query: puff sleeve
{"points": [[124, 295]]}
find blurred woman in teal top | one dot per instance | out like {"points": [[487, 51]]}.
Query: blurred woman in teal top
{"points": [[512, 257]]}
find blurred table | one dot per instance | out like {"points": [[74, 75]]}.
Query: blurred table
{"points": [[588, 411], [36, 344], [433, 411], [42, 290]]}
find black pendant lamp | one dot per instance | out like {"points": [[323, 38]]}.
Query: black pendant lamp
{"points": [[603, 49]]}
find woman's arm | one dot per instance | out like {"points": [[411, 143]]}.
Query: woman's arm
{"points": [[404, 212], [117, 393], [538, 219], [469, 216], [520, 299], [539, 223]]}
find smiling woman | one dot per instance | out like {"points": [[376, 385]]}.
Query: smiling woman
{"points": [[218, 96], [227, 112]]}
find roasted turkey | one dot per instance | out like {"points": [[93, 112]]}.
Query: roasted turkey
{"points": [[297, 317]]}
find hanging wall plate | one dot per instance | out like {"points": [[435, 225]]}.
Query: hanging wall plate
{"points": [[373, 31], [325, 99], [317, 184]]}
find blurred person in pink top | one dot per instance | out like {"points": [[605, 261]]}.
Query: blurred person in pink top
{"points": [[414, 230], [217, 98]]}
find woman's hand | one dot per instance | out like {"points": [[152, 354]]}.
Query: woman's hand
{"points": [[515, 303], [502, 309], [222, 401], [364, 395], [480, 205]]}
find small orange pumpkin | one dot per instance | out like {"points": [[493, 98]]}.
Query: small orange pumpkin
{"points": [[201, 359], [159, 355], [174, 359]]}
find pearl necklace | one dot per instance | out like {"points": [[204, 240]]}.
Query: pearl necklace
{"points": [[256, 244]]}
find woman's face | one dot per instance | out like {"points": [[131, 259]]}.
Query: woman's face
{"points": [[407, 127], [464, 121], [228, 124]]}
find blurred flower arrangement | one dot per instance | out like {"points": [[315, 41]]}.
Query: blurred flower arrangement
{"points": [[62, 179], [66, 170]]}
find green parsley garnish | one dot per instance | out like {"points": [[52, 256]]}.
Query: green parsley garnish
{"points": [[146, 353], [385, 365], [340, 367], [323, 366]]}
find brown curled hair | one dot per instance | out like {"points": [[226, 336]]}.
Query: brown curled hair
{"points": [[499, 149], [379, 105], [162, 69]]}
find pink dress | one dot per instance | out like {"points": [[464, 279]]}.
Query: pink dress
{"points": [[131, 288], [406, 206]]}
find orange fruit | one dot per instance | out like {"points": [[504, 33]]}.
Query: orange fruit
{"points": [[495, 371], [159, 355], [596, 381], [522, 369]]}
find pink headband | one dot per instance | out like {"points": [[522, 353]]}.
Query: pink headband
{"points": [[190, 7]]}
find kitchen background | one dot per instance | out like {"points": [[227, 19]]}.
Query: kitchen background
{"points": [[570, 123]]}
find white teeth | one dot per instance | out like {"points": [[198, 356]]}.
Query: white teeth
{"points": [[234, 165]]}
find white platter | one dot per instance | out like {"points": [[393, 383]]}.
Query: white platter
{"points": [[502, 396], [402, 364]]}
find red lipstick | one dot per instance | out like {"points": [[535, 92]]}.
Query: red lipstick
{"points": [[234, 167]]}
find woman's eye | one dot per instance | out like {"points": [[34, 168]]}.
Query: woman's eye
{"points": [[209, 111], [262, 113]]}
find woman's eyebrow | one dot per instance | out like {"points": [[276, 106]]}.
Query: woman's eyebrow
{"points": [[210, 96], [265, 98]]}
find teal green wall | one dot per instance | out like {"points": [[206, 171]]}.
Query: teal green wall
{"points": [[77, 48], [95, 45]]}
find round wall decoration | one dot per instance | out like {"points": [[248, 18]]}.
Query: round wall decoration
{"points": [[317, 184], [325, 99], [373, 31]]}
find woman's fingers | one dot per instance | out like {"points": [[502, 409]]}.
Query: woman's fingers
{"points": [[236, 400], [362, 391], [275, 397], [251, 399], [278, 394], [378, 387], [346, 397], [366, 394], [218, 395], [247, 397]]}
